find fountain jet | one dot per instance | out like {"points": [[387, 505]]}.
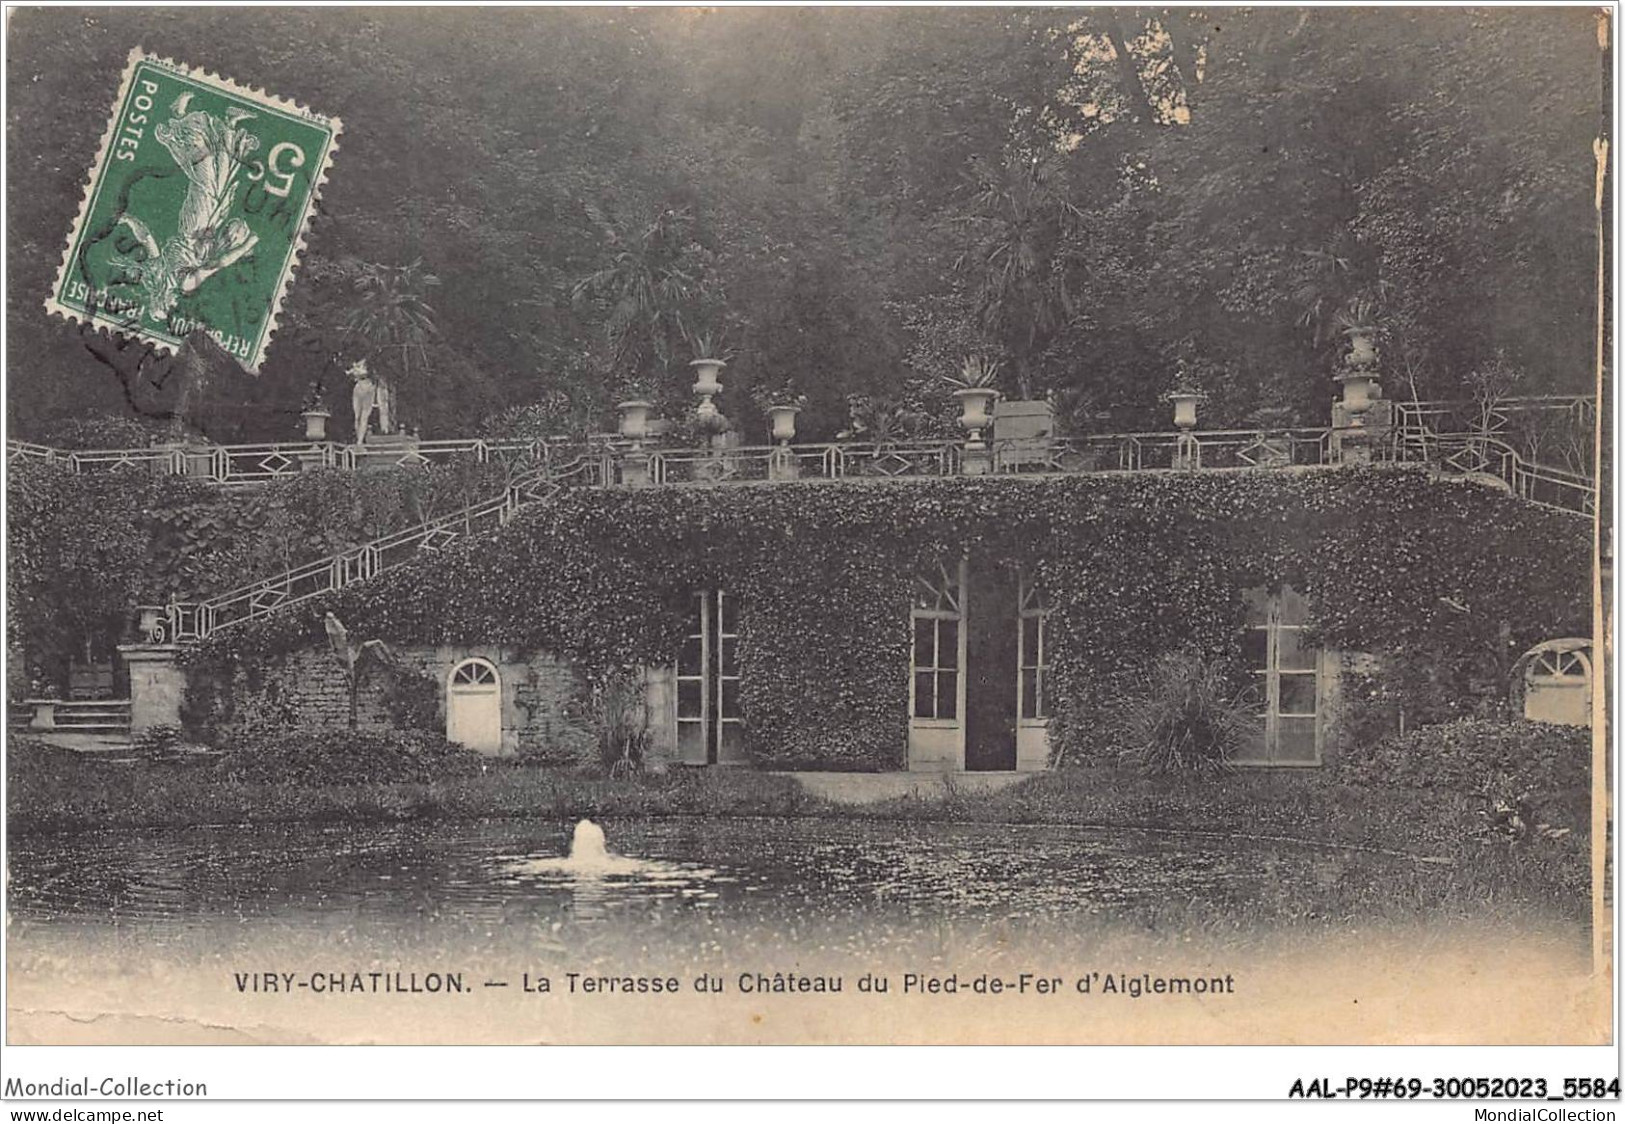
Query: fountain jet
{"points": [[588, 846]]}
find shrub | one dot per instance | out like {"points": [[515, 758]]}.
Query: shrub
{"points": [[157, 742], [108, 431], [1422, 686], [412, 700], [1541, 771], [324, 755], [1188, 718], [615, 711]]}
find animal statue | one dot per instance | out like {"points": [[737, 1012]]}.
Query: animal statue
{"points": [[369, 394]]}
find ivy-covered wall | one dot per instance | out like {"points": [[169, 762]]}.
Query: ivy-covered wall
{"points": [[539, 697], [1393, 560], [84, 549]]}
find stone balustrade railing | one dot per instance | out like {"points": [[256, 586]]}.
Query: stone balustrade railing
{"points": [[1478, 455], [1404, 432], [624, 464], [258, 463]]}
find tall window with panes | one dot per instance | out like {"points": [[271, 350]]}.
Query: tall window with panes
{"points": [[1034, 665], [1285, 671], [937, 615]]}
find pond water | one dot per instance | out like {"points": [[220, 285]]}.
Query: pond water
{"points": [[146, 936], [505, 873]]}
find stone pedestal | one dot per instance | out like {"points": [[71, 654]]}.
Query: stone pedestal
{"points": [[782, 465], [194, 458], [44, 714], [635, 470], [1361, 419], [1377, 416], [1351, 446], [157, 685], [323, 454], [1360, 438], [976, 460], [1187, 453], [1024, 434], [384, 451]]}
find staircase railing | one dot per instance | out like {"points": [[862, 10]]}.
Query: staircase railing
{"points": [[181, 622], [1480, 453]]}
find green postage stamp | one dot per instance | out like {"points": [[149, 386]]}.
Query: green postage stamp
{"points": [[196, 210]]}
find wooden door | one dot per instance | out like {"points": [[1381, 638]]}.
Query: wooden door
{"points": [[992, 662], [474, 707]]}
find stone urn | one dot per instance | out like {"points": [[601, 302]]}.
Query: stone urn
{"points": [[634, 419], [1362, 346], [1185, 403], [151, 622], [1360, 389], [706, 383], [316, 424], [974, 403], [784, 422]]}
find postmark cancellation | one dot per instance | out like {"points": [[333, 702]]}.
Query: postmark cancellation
{"points": [[196, 209]]}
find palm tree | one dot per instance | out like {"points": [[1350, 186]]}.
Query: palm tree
{"points": [[394, 318], [652, 289], [1018, 220]]}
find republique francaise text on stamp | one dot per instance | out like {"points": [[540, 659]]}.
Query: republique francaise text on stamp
{"points": [[195, 212]]}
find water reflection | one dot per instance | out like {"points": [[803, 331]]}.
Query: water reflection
{"points": [[517, 875], [595, 876]]}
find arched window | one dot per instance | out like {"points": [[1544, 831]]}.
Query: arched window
{"points": [[1557, 682], [474, 706]]}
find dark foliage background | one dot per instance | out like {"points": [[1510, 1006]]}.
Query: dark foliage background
{"points": [[855, 197]]}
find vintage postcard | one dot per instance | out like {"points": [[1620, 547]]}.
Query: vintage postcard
{"points": [[811, 526]]}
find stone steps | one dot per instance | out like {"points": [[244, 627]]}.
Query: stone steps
{"points": [[78, 716]]}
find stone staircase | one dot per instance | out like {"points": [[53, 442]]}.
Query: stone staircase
{"points": [[102, 717], [190, 622], [93, 726]]}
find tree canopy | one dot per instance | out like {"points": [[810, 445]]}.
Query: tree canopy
{"points": [[853, 200]]}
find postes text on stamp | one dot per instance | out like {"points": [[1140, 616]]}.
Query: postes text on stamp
{"points": [[196, 210]]}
